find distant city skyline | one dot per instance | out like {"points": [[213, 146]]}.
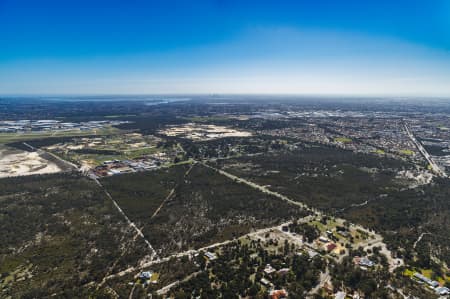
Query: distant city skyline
{"points": [[382, 48]]}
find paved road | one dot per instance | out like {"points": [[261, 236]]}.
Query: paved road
{"points": [[426, 155], [193, 252]]}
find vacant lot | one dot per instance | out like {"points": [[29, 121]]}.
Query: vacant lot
{"points": [[203, 208], [140, 194], [328, 178]]}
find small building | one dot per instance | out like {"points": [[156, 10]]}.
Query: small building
{"points": [[283, 271], [442, 291], [344, 233], [366, 262], [330, 247], [431, 283], [312, 253], [269, 269], [323, 239], [146, 275], [211, 256], [363, 262], [265, 282]]}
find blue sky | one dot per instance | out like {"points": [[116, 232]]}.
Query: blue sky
{"points": [[276, 47]]}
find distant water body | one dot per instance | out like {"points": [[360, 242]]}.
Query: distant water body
{"points": [[148, 100], [167, 101]]}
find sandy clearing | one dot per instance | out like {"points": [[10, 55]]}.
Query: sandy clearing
{"points": [[19, 163], [197, 132]]}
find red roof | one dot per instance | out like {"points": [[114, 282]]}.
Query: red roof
{"points": [[331, 246]]}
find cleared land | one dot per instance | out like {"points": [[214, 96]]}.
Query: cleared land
{"points": [[17, 137], [199, 132], [18, 163]]}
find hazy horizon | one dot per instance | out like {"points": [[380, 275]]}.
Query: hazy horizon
{"points": [[215, 47]]}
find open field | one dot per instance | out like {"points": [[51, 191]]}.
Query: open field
{"points": [[342, 139], [16, 137]]}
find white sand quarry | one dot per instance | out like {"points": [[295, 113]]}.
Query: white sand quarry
{"points": [[197, 132], [18, 163]]}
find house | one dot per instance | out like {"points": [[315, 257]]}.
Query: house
{"points": [[312, 253], [330, 247], [269, 269], [363, 262], [283, 271], [323, 239], [210, 256], [278, 294], [145, 275], [366, 262], [265, 282], [431, 283], [442, 291]]}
